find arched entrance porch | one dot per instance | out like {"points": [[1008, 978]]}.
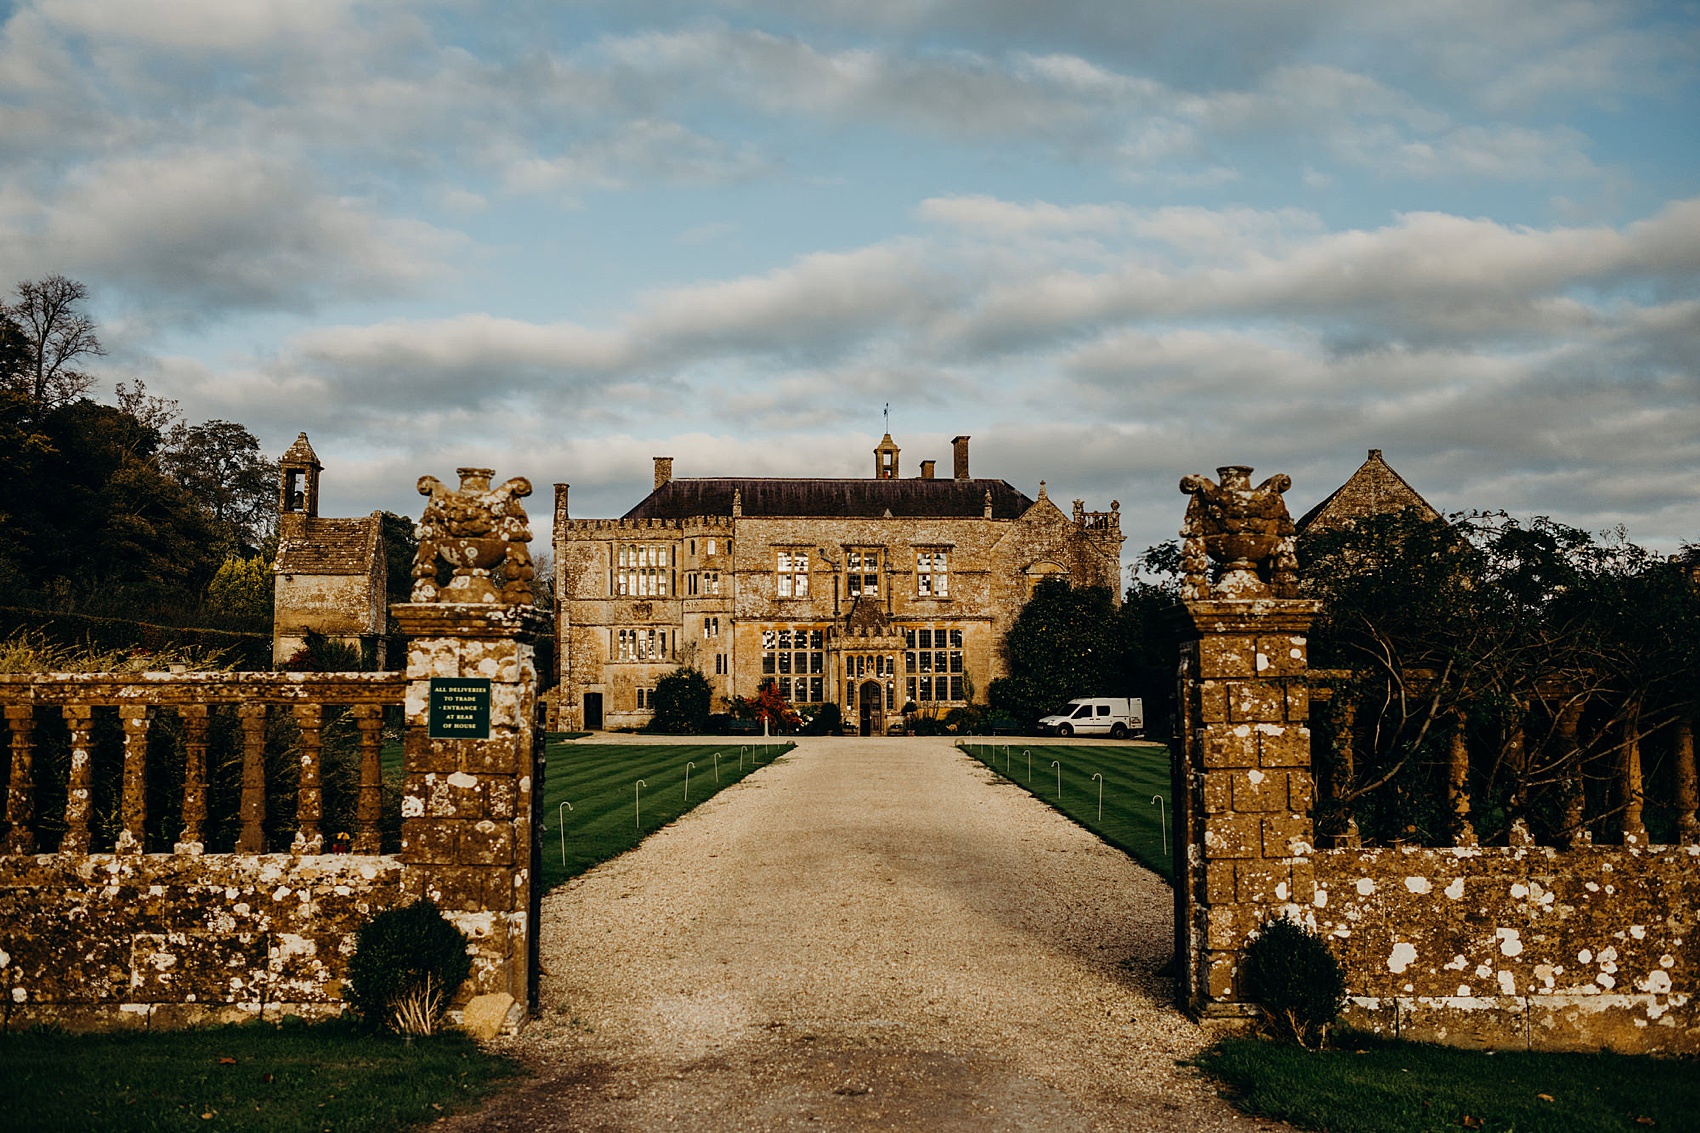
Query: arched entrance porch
{"points": [[870, 698]]}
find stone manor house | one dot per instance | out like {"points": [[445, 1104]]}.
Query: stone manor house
{"points": [[871, 593]]}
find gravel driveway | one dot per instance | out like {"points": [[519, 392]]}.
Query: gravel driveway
{"points": [[867, 934]]}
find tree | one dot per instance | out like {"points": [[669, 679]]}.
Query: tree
{"points": [[1149, 641], [221, 465], [768, 706], [93, 525], [1064, 643], [1511, 665], [682, 699], [14, 353], [240, 594], [401, 545], [57, 335]]}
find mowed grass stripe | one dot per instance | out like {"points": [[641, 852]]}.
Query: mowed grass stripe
{"points": [[1133, 773], [598, 780]]}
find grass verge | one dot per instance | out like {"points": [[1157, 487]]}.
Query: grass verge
{"points": [[1380, 1086], [256, 1077], [598, 780], [1132, 774]]}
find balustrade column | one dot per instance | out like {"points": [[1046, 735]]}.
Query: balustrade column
{"points": [[20, 793], [80, 719], [1629, 783], [1687, 794], [133, 809], [194, 836], [1569, 724], [253, 837], [1345, 761], [369, 719], [310, 794], [1458, 782]]}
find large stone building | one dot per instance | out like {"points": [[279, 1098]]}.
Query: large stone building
{"points": [[871, 593], [329, 573]]}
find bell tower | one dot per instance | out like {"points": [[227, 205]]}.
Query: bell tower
{"points": [[298, 487]]}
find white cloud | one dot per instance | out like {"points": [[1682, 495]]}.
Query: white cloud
{"points": [[211, 231], [204, 25]]}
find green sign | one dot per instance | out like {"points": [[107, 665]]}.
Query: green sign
{"points": [[460, 708]]}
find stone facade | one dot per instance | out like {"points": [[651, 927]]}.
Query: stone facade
{"points": [[870, 593], [330, 573]]}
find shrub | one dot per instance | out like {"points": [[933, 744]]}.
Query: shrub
{"points": [[829, 721], [682, 700], [407, 964], [1297, 979], [320, 654]]}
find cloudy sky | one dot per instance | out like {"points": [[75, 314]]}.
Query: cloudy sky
{"points": [[1115, 241]]}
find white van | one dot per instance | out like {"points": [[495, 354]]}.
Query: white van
{"points": [[1116, 716]]}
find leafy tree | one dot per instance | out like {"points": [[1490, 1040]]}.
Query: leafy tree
{"points": [[240, 594], [1149, 637], [682, 699], [1545, 652], [767, 706], [401, 544], [56, 336], [1064, 643], [92, 523], [15, 355], [221, 465]]}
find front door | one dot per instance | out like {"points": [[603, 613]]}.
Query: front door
{"points": [[871, 697], [593, 712]]}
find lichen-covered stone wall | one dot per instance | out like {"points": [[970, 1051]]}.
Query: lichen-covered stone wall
{"points": [[1517, 947], [103, 941]]}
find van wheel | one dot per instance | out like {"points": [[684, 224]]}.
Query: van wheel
{"points": [[1118, 731], [1065, 730]]}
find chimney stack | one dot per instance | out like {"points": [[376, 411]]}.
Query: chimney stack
{"points": [[663, 471], [960, 444], [927, 467]]}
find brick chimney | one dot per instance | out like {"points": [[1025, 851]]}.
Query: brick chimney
{"points": [[663, 471], [927, 467], [960, 444]]}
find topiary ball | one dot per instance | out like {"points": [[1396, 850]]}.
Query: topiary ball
{"points": [[396, 952], [1297, 979]]}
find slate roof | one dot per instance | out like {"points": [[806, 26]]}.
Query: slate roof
{"points": [[1374, 489], [331, 546], [864, 498]]}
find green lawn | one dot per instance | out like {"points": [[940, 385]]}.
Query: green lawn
{"points": [[259, 1077], [1388, 1087], [1133, 773], [598, 780]]}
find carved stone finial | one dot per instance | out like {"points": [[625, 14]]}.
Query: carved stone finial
{"points": [[472, 541], [1246, 531]]}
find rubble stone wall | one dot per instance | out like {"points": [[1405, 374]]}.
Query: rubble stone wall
{"points": [[1517, 947], [107, 941]]}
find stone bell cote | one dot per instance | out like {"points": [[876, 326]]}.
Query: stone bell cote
{"points": [[298, 484]]}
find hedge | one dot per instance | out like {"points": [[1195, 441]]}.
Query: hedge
{"points": [[249, 651]]}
